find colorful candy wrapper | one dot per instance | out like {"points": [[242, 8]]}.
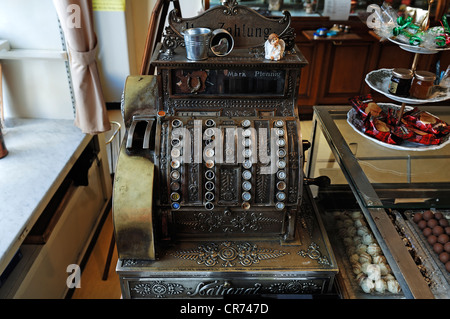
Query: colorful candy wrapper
{"points": [[425, 122], [424, 138], [379, 130], [401, 131], [365, 105]]}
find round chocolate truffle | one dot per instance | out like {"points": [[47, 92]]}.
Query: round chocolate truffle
{"points": [[427, 215], [447, 266], [432, 223], [438, 215], [443, 239], [438, 248], [447, 247], [447, 230], [444, 257], [432, 239], [427, 231], [422, 224], [438, 230], [443, 222], [417, 217]]}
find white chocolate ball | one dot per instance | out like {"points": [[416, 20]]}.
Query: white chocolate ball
{"points": [[354, 258], [365, 258], [361, 248], [373, 272], [348, 222], [388, 277], [362, 231], [373, 249], [368, 239], [356, 215], [357, 240], [385, 269], [364, 267], [360, 277], [379, 259], [360, 223], [356, 267], [367, 285], [380, 286], [393, 286]]}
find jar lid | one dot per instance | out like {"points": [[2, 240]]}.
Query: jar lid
{"points": [[402, 73], [425, 76]]}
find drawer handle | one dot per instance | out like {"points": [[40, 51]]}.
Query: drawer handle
{"points": [[337, 42]]}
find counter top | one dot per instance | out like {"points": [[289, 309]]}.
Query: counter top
{"points": [[41, 153]]}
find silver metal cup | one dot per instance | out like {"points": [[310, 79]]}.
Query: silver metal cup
{"points": [[196, 41]]}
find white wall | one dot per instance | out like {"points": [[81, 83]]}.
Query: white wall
{"points": [[33, 88], [40, 88], [122, 37], [113, 57]]}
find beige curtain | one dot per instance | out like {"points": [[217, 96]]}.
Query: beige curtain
{"points": [[76, 20]]}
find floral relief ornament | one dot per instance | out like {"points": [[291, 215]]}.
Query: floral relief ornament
{"points": [[228, 254]]}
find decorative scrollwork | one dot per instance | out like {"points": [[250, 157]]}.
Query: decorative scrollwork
{"points": [[175, 16], [208, 222], [228, 185], [171, 41], [289, 38], [230, 7], [158, 289], [228, 254], [314, 253], [295, 287]]}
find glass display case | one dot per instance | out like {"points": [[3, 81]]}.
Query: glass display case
{"points": [[388, 186]]}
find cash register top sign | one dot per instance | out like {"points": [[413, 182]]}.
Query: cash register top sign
{"points": [[247, 28]]}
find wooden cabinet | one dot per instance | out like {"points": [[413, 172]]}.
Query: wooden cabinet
{"points": [[336, 71]]}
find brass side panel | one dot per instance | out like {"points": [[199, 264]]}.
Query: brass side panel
{"points": [[132, 207], [141, 92]]}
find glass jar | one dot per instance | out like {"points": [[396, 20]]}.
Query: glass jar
{"points": [[400, 82], [422, 84]]}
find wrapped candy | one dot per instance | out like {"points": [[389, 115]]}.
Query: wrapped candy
{"points": [[402, 132], [379, 130], [423, 138], [405, 131], [410, 28], [382, 20], [382, 124], [365, 106], [425, 122]]}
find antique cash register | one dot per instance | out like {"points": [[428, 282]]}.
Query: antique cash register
{"points": [[209, 198]]}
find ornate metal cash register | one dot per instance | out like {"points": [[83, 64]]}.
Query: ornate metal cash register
{"points": [[209, 198]]}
